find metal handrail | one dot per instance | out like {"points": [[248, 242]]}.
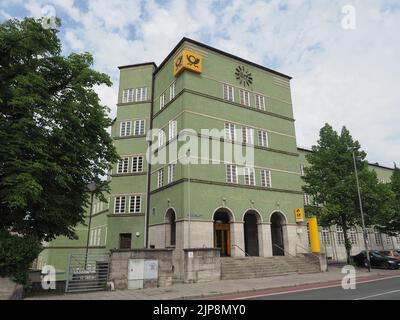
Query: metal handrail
{"points": [[308, 250], [284, 250], [246, 254]]}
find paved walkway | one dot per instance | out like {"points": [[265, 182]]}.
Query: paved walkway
{"points": [[217, 288]]}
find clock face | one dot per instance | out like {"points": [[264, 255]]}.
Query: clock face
{"points": [[244, 76]]}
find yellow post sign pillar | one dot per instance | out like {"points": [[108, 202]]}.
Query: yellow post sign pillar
{"points": [[314, 235]]}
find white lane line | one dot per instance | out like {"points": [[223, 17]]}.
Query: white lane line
{"points": [[378, 295], [257, 295]]}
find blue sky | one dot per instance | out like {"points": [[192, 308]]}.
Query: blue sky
{"points": [[340, 76]]}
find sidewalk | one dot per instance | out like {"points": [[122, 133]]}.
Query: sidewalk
{"points": [[218, 288]]}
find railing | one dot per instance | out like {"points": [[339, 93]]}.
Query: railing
{"points": [[308, 251], [87, 273], [284, 250], [245, 253]]}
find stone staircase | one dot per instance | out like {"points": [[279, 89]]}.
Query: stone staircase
{"points": [[259, 267]]}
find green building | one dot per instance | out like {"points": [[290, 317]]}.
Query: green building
{"points": [[236, 187]]}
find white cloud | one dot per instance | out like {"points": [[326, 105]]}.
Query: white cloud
{"points": [[341, 77]]}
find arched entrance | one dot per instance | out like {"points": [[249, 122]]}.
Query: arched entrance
{"points": [[278, 244], [222, 231], [251, 244], [170, 228]]}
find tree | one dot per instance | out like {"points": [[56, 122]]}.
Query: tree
{"points": [[391, 225], [330, 181], [53, 133]]}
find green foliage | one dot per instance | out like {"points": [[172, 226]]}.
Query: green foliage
{"points": [[330, 180], [53, 132], [17, 254], [393, 227]]}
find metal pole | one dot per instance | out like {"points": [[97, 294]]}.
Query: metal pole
{"points": [[88, 234], [189, 205], [362, 214]]}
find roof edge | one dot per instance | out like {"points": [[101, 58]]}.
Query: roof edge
{"points": [[137, 65]]}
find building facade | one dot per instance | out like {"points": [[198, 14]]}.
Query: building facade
{"points": [[183, 185]]}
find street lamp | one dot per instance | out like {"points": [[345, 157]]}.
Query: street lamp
{"points": [[362, 213], [92, 188]]}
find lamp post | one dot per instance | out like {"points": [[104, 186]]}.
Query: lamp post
{"points": [[362, 213], [92, 188], [189, 205]]}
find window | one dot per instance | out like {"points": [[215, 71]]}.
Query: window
{"points": [[248, 134], [171, 173], [263, 138], [388, 239], [307, 200], [134, 204], [244, 98], [367, 233], [249, 176], [260, 102], [162, 101], [125, 240], [125, 129], [378, 238], [161, 138], [141, 94], [398, 238], [119, 205], [127, 95], [229, 93], [326, 239], [160, 182], [302, 166], [137, 164], [173, 230], [172, 91], [95, 236], [266, 179], [172, 129], [138, 128], [123, 166], [231, 174], [353, 236], [339, 235], [230, 131]]}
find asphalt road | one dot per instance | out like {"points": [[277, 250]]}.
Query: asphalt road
{"points": [[388, 289]]}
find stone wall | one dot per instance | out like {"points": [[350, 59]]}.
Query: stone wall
{"points": [[120, 261], [202, 265]]}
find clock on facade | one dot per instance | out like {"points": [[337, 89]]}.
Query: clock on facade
{"points": [[244, 76]]}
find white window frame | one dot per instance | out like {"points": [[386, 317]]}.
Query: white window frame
{"points": [[244, 97], [172, 132], [302, 166], [125, 128], [260, 102], [128, 95], [353, 236], [231, 174], [378, 237], [172, 91], [228, 92], [139, 127], [119, 205], [325, 235], [171, 173], [137, 164], [248, 135], [123, 166], [266, 180], [162, 100], [160, 178], [230, 131], [161, 138], [249, 176], [263, 138], [141, 94], [135, 201], [340, 235]]}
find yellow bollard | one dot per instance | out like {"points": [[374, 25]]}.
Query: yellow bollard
{"points": [[314, 235]]}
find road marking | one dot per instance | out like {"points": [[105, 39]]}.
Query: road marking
{"points": [[361, 281], [378, 295]]}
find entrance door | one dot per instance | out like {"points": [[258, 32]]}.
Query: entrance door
{"points": [[278, 245], [223, 239], [251, 235]]}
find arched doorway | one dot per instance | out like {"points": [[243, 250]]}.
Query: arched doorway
{"points": [[278, 244], [222, 231], [170, 228], [251, 244]]}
